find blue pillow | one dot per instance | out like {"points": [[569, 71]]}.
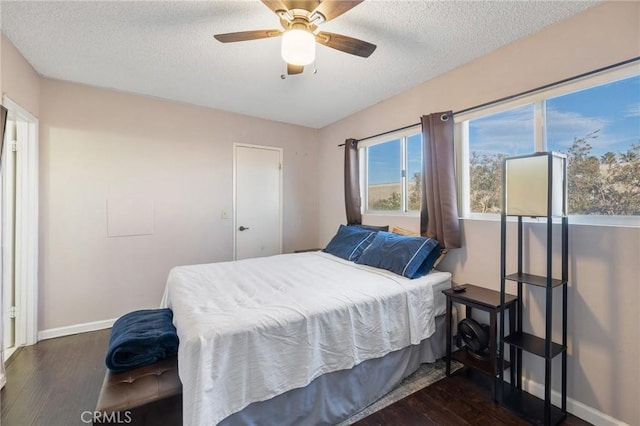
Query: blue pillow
{"points": [[408, 256], [349, 242]]}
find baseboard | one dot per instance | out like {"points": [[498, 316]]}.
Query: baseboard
{"points": [[75, 329], [9, 353], [574, 407]]}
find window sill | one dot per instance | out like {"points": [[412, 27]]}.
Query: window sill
{"points": [[614, 221], [391, 213]]}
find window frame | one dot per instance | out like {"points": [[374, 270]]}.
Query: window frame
{"points": [[403, 135], [461, 137]]}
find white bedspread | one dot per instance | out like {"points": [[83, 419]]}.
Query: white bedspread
{"points": [[255, 328]]}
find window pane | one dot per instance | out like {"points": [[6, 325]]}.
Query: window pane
{"points": [[492, 138], [599, 130], [414, 171], [384, 188]]}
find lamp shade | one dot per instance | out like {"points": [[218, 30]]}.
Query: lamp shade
{"points": [[298, 47], [535, 185]]}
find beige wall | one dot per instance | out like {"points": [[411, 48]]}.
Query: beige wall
{"points": [[18, 79], [604, 291], [98, 144]]}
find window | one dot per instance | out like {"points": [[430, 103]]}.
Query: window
{"points": [[392, 174], [594, 121], [384, 176], [599, 130], [491, 139]]}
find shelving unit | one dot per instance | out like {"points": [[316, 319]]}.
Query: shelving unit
{"points": [[523, 199]]}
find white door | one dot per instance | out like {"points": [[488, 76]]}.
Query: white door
{"points": [[258, 201]]}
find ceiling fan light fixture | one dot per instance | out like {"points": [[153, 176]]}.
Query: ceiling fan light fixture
{"points": [[298, 47]]}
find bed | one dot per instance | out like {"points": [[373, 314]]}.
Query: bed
{"points": [[306, 338]]}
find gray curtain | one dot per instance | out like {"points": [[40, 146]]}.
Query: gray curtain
{"points": [[352, 182], [439, 210]]}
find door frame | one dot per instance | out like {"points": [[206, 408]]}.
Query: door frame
{"points": [[237, 145], [26, 225], [7, 226]]}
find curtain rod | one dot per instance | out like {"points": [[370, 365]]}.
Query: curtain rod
{"points": [[510, 97]]}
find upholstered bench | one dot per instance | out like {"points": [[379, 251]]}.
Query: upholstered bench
{"points": [[149, 395]]}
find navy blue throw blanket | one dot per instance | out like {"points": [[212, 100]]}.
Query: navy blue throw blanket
{"points": [[141, 338]]}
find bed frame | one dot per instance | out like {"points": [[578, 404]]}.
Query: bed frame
{"points": [[152, 395]]}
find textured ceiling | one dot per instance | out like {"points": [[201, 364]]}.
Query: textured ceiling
{"points": [[166, 49]]}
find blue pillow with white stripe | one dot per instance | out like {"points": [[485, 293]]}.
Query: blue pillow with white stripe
{"points": [[350, 242], [408, 256]]}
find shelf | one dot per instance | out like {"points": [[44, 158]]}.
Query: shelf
{"points": [[536, 280], [532, 344], [528, 406], [463, 356], [479, 297]]}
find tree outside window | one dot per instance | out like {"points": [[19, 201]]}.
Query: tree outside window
{"points": [[599, 131], [491, 139], [597, 128]]}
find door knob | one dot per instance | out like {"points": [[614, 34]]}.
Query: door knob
{"points": [[242, 228]]}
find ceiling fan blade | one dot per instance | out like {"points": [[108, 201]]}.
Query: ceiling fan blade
{"points": [[247, 35], [275, 5], [294, 69], [346, 44], [333, 8]]}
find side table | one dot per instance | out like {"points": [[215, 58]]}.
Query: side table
{"points": [[487, 300]]}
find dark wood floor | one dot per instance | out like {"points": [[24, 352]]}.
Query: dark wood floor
{"points": [[53, 382], [464, 398]]}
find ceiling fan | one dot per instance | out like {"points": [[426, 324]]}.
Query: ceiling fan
{"points": [[300, 20]]}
